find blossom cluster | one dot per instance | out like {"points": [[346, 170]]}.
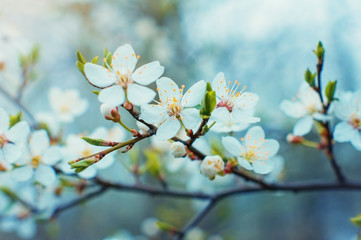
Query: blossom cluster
{"points": [[36, 158]]}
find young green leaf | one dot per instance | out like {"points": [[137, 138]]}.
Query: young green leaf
{"points": [[95, 142], [330, 90], [14, 119], [80, 57]]}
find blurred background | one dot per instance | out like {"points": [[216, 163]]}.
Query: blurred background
{"points": [[266, 45]]}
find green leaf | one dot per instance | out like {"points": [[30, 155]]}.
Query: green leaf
{"points": [[356, 220], [80, 57], [34, 55], [96, 92], [330, 90], [320, 51], [209, 102], [95, 142], [310, 77], [14, 119], [165, 226], [95, 60], [80, 66]]}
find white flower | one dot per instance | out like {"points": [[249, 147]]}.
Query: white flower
{"points": [[348, 109], [11, 139], [211, 165], [307, 107], [225, 121], [42, 158], [177, 149], [240, 104], [174, 107], [254, 152], [120, 82], [67, 104]]}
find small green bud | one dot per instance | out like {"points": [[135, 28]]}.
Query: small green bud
{"points": [[95, 60], [83, 164], [80, 66], [95, 142], [80, 57], [320, 51], [14, 119], [330, 90], [356, 220], [34, 55], [95, 92], [310, 77], [209, 102]]}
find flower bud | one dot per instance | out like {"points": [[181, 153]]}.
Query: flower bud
{"points": [[177, 149], [110, 112], [294, 139], [211, 165]]}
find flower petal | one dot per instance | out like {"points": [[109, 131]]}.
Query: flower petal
{"points": [[270, 147], [303, 126], [167, 89], [263, 166], [22, 173], [148, 73], [194, 95], [153, 114], [39, 142], [191, 118], [356, 140], [293, 109], [113, 95], [45, 175], [255, 136], [246, 101], [52, 155], [99, 75], [19, 132], [106, 162], [343, 132], [168, 129], [219, 85], [244, 116], [12, 152], [124, 59], [139, 95], [90, 172], [244, 163], [233, 146]]}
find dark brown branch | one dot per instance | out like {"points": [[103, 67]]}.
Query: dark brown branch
{"points": [[78, 201], [197, 219]]}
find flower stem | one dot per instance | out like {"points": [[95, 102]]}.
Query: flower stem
{"points": [[309, 143], [124, 126]]}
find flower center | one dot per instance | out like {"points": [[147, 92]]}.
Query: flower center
{"points": [[173, 107], [231, 96], [355, 122], [227, 103], [35, 161], [124, 79]]}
